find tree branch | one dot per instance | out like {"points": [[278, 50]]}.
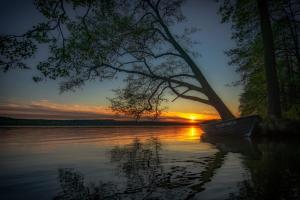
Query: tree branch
{"points": [[167, 79], [150, 53], [180, 94], [193, 98]]}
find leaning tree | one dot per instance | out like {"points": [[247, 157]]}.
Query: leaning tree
{"points": [[99, 39]]}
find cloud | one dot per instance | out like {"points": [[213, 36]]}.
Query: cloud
{"points": [[50, 110], [45, 109]]}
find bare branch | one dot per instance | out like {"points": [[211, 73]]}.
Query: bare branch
{"points": [[178, 96], [150, 53], [84, 19], [188, 85], [157, 4], [193, 98], [153, 93]]}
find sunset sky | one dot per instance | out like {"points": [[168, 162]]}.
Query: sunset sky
{"points": [[22, 98]]}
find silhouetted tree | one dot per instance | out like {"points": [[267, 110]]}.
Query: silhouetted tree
{"points": [[91, 39]]}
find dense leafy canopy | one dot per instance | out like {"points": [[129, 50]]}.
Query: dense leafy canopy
{"points": [[248, 55], [91, 40]]}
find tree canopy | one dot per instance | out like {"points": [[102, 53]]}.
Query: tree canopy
{"points": [[98, 39], [248, 56]]}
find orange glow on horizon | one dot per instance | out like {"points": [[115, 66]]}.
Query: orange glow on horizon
{"points": [[45, 109], [189, 117]]}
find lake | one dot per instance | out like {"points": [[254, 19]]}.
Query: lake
{"points": [[143, 163]]}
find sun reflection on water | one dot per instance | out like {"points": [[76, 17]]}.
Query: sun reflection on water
{"points": [[192, 133]]}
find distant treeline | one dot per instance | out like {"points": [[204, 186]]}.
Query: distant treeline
{"points": [[5, 121]]}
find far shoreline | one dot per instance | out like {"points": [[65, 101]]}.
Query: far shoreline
{"points": [[14, 122]]}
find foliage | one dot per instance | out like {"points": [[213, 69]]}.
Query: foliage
{"points": [[13, 50], [247, 55], [132, 99], [97, 40]]}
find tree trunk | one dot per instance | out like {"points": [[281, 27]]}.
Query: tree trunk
{"points": [[273, 94], [215, 100], [221, 108]]}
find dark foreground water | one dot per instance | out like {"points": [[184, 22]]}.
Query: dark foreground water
{"points": [[143, 163]]}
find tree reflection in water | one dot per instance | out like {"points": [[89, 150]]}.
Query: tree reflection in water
{"points": [[140, 163], [146, 178], [273, 166], [275, 174], [73, 187]]}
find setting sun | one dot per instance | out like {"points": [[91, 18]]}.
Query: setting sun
{"points": [[193, 118], [190, 117]]}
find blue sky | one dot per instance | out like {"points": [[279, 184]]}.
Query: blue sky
{"points": [[18, 88]]}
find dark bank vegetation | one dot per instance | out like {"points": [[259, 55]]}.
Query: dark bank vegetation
{"points": [[274, 172], [251, 57], [5, 121]]}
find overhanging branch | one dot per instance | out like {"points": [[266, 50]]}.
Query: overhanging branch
{"points": [[167, 79], [193, 98]]}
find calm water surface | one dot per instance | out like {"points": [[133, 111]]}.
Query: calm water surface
{"points": [[143, 163]]}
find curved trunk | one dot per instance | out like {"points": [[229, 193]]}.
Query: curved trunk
{"points": [[214, 99], [221, 108]]}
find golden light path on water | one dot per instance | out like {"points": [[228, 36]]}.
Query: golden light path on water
{"points": [[180, 138], [175, 134], [53, 138]]}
